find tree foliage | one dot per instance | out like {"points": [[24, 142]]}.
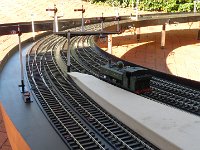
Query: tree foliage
{"points": [[154, 5]]}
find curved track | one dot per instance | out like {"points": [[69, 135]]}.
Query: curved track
{"points": [[81, 123]]}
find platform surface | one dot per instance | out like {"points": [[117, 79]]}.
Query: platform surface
{"points": [[166, 127]]}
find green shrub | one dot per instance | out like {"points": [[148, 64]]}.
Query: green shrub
{"points": [[184, 1], [113, 3], [187, 7], [171, 7], [154, 5], [97, 1], [198, 7]]}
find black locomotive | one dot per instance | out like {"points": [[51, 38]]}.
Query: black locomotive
{"points": [[135, 79]]}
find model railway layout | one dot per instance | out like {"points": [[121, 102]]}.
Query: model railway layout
{"points": [[162, 90], [80, 122]]}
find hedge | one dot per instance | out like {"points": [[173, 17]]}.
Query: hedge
{"points": [[155, 5]]}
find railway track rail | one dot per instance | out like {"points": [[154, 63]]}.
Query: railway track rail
{"points": [[175, 95], [80, 122]]}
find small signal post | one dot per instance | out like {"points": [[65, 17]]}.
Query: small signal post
{"points": [[33, 28], [25, 93], [55, 24], [68, 51], [163, 36], [21, 62], [137, 8], [118, 19], [83, 11], [102, 19]]}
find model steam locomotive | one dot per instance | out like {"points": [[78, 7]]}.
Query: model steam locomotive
{"points": [[134, 79]]}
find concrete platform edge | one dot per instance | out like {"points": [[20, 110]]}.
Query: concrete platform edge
{"points": [[141, 129]]}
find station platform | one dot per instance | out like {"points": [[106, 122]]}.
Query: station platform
{"points": [[166, 127]]}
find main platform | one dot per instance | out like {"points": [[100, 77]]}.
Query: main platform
{"points": [[166, 127]]}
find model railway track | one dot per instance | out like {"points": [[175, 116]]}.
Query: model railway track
{"points": [[61, 117], [163, 91], [84, 54], [81, 123], [75, 65], [175, 95], [89, 57]]}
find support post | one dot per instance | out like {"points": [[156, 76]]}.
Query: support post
{"points": [[163, 35], [21, 61], [137, 12], [68, 52], [118, 22], [110, 43], [55, 25], [138, 33], [132, 5], [82, 27], [102, 22], [55, 22], [33, 27], [198, 36], [195, 6], [82, 10]]}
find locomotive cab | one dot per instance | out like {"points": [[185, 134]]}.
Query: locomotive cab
{"points": [[136, 79]]}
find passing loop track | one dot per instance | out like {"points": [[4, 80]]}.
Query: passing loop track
{"points": [[80, 122]]}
